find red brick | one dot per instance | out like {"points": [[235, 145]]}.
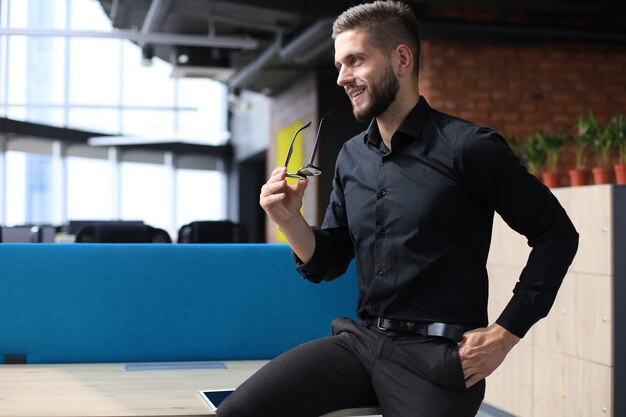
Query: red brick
{"points": [[577, 107], [610, 67], [520, 89], [483, 105], [500, 95], [506, 116], [563, 96], [527, 106]]}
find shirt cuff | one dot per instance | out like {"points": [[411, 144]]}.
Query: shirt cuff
{"points": [[315, 269], [516, 318]]}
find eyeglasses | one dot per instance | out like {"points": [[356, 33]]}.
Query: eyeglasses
{"points": [[309, 170]]}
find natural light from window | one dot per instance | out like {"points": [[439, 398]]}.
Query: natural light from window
{"points": [[100, 85]]}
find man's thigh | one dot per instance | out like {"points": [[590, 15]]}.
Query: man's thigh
{"points": [[309, 380], [422, 377]]}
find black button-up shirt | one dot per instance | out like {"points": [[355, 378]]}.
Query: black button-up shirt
{"points": [[418, 218]]}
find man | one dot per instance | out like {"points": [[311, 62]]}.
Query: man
{"points": [[413, 200]]}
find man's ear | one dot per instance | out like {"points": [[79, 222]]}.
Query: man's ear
{"points": [[404, 58]]}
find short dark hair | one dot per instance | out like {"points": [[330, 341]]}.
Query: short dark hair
{"points": [[386, 25]]}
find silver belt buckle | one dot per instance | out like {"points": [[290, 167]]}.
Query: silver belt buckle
{"points": [[379, 326]]}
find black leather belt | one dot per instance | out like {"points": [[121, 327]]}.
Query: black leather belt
{"points": [[453, 332]]}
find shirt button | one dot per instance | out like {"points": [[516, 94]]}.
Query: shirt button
{"points": [[380, 233], [380, 271], [382, 193]]}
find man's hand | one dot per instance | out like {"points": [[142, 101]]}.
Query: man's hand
{"points": [[483, 350], [280, 200], [282, 203]]}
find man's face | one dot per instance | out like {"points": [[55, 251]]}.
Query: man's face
{"points": [[366, 74]]}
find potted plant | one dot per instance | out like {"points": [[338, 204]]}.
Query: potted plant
{"points": [[583, 139], [602, 142], [619, 132], [551, 145], [534, 154]]}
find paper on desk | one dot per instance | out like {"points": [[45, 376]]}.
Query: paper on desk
{"points": [[158, 366]]}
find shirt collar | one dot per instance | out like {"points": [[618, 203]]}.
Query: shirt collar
{"points": [[411, 126]]}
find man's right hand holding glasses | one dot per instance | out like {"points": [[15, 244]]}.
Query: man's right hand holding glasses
{"points": [[282, 203], [281, 200]]}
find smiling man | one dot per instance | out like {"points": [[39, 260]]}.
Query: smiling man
{"points": [[413, 201]]}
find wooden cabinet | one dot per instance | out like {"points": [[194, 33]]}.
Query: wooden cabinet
{"points": [[572, 363]]}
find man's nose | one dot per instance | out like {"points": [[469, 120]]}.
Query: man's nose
{"points": [[345, 77]]}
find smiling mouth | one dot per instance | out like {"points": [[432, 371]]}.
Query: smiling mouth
{"points": [[355, 92]]}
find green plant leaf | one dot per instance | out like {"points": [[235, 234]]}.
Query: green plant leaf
{"points": [[535, 154]]}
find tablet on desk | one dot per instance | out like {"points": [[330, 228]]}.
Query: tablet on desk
{"points": [[215, 397]]}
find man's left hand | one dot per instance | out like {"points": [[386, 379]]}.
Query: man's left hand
{"points": [[483, 350]]}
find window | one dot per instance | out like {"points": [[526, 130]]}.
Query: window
{"points": [[200, 195], [16, 188], [89, 189], [100, 85], [146, 194]]}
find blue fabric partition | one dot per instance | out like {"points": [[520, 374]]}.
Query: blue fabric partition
{"points": [[66, 303]]}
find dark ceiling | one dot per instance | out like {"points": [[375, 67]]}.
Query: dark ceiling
{"points": [[264, 45]]}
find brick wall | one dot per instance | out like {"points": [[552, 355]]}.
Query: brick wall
{"points": [[519, 89]]}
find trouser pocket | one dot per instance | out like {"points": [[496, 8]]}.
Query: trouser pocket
{"points": [[456, 366], [342, 324]]}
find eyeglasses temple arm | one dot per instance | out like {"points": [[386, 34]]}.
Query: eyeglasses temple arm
{"points": [[293, 140], [317, 138]]}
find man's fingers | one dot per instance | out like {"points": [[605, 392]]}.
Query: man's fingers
{"points": [[279, 171], [272, 188], [272, 199], [473, 380], [472, 373], [482, 350], [470, 369], [300, 187]]}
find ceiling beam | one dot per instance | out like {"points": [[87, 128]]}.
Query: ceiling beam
{"points": [[231, 42], [20, 128]]}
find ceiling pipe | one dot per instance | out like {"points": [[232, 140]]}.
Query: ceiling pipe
{"points": [[245, 74], [135, 36], [113, 11], [323, 46], [154, 18], [308, 40], [238, 21]]}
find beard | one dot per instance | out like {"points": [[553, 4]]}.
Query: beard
{"points": [[382, 93]]}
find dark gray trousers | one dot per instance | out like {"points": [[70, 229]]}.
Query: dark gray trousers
{"points": [[359, 366]]}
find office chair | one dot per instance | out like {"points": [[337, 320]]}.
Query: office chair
{"points": [[28, 234], [121, 233], [221, 231], [72, 226]]}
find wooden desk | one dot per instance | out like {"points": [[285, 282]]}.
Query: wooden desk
{"points": [[69, 390]]}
